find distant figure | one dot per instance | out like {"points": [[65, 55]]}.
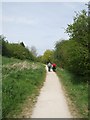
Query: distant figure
{"points": [[54, 67], [49, 66]]}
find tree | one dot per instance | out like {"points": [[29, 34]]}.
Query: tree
{"points": [[4, 44], [47, 56], [73, 54], [39, 58], [22, 44], [60, 53], [78, 31]]}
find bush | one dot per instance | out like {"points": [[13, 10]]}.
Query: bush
{"points": [[16, 50]]}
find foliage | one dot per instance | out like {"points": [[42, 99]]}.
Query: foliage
{"points": [[48, 56], [73, 54], [59, 53], [79, 29], [39, 58], [72, 57], [18, 84], [16, 50], [22, 44]]}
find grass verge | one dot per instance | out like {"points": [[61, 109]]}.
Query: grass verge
{"points": [[77, 91], [19, 84]]}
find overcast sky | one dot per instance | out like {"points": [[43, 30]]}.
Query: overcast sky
{"points": [[38, 24]]}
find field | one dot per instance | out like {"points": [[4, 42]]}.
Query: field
{"points": [[20, 80], [77, 91]]}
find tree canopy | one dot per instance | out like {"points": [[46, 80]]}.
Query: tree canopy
{"points": [[73, 54], [48, 56]]}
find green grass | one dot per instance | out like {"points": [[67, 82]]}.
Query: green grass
{"points": [[6, 60], [77, 91], [18, 85]]}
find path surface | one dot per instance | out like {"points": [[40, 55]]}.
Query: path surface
{"points": [[51, 102]]}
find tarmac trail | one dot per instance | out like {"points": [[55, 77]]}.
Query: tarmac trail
{"points": [[51, 102]]}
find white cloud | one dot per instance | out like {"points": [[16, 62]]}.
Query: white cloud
{"points": [[19, 20]]}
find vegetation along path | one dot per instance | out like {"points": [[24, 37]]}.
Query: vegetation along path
{"points": [[51, 102]]}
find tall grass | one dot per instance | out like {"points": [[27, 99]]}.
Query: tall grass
{"points": [[6, 60], [76, 90], [17, 85]]}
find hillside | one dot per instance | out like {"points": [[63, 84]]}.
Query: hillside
{"points": [[20, 80]]}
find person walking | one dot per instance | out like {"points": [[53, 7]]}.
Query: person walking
{"points": [[54, 67], [49, 66]]}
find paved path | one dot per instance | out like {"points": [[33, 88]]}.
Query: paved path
{"points": [[51, 103]]}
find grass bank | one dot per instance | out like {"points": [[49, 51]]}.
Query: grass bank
{"points": [[6, 60], [20, 80], [77, 91]]}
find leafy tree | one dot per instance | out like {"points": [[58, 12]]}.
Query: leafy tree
{"points": [[78, 31], [4, 44], [59, 52], [22, 44], [39, 58], [48, 56], [73, 54]]}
